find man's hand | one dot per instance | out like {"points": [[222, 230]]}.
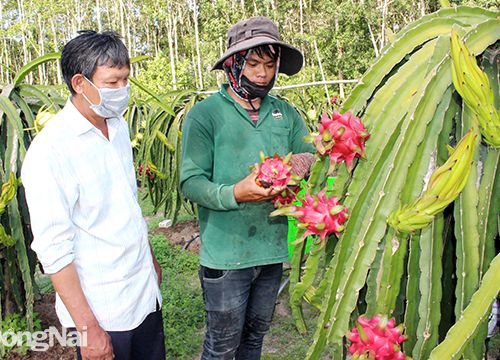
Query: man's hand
{"points": [[247, 190], [98, 344]]}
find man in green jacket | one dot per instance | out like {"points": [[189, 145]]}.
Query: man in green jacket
{"points": [[242, 247]]}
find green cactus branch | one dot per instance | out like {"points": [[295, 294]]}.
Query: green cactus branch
{"points": [[478, 309], [409, 111]]}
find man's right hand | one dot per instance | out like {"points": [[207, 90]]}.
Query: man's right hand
{"points": [[98, 344], [247, 190]]}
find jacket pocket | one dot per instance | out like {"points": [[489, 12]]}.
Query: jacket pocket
{"points": [[280, 140]]}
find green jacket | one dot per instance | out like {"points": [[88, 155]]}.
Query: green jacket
{"points": [[220, 143]]}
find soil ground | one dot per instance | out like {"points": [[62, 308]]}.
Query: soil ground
{"points": [[185, 234]]}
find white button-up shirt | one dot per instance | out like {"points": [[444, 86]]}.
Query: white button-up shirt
{"points": [[82, 198]]}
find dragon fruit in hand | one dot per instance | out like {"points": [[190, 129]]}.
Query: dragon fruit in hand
{"points": [[376, 339], [342, 137], [274, 171]]}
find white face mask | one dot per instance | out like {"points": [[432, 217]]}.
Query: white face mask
{"points": [[113, 103]]}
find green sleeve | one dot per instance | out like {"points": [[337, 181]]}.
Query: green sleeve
{"points": [[197, 165], [298, 132]]}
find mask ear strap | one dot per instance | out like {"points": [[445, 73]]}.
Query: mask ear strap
{"points": [[243, 65], [98, 91], [278, 49]]}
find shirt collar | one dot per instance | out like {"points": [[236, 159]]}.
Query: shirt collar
{"points": [[80, 125]]}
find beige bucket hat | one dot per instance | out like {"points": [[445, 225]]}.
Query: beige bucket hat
{"points": [[256, 31]]}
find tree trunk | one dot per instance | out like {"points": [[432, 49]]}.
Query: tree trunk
{"points": [[24, 34], [384, 18], [321, 70], [98, 15], [56, 48], [121, 10], [176, 45], [127, 35], [170, 30], [197, 38], [301, 17], [42, 68], [422, 7], [340, 51]]}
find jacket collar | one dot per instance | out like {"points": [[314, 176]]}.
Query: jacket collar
{"points": [[265, 104]]}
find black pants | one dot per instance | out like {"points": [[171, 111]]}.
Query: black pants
{"points": [[145, 342], [239, 308]]}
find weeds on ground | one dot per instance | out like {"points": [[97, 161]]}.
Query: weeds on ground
{"points": [[10, 329], [283, 342], [183, 310]]}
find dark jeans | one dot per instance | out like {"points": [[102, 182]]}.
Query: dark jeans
{"points": [[239, 307], [145, 342]]}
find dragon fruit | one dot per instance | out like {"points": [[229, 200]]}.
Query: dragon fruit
{"points": [[274, 171], [286, 197], [149, 174], [319, 215], [376, 339], [342, 137]]}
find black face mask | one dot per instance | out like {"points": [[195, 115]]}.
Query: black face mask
{"points": [[254, 90]]}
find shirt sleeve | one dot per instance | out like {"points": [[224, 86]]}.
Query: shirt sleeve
{"points": [[299, 131], [49, 204], [197, 165]]}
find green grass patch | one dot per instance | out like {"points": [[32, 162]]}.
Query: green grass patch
{"points": [[283, 342], [183, 309]]}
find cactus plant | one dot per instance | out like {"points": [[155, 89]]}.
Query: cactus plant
{"points": [[412, 110]]}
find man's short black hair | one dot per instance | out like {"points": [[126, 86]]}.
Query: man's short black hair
{"points": [[90, 49], [263, 50]]}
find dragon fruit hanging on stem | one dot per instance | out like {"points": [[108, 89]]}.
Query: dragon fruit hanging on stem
{"points": [[318, 214], [341, 138]]}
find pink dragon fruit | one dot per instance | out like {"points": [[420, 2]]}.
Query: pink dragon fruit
{"points": [[342, 137], [150, 175], [376, 339], [274, 171], [319, 215]]}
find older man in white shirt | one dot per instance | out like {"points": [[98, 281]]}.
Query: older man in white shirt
{"points": [[89, 233]]}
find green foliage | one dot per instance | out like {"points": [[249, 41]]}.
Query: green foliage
{"points": [[16, 323], [157, 74], [155, 125], [166, 29]]}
